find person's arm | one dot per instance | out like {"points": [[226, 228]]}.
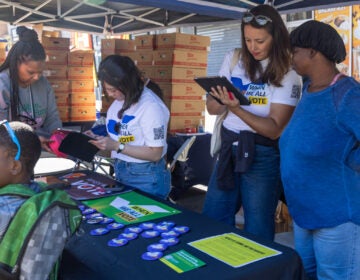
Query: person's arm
{"points": [[213, 107]]}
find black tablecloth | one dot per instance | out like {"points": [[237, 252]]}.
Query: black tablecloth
{"points": [[89, 257]]}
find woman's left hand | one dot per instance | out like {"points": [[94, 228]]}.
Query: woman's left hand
{"points": [[226, 97]]}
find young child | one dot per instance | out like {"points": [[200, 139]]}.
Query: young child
{"points": [[20, 149]]}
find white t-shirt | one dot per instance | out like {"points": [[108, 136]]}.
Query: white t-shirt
{"points": [[261, 95], [143, 124]]}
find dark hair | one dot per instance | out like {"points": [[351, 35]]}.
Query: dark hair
{"points": [[155, 89], [121, 73], [279, 55], [29, 143], [28, 48], [321, 37]]}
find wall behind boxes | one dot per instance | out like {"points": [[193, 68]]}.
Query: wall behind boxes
{"points": [[173, 60], [71, 74]]}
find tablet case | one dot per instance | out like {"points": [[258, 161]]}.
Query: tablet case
{"points": [[77, 145], [208, 82]]}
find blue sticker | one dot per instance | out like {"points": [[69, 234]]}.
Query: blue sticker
{"points": [[128, 236], [162, 228], [147, 225], [88, 211], [181, 229], [107, 220], [134, 229], [151, 256], [117, 242], [169, 224], [94, 215], [150, 234], [95, 220], [169, 241], [171, 233], [115, 226], [99, 231], [82, 207], [158, 247]]}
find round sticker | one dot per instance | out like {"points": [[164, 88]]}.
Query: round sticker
{"points": [[171, 233], [94, 215], [169, 224], [162, 228], [81, 207], [158, 247], [128, 236], [133, 229], [169, 241], [88, 211], [117, 242], [150, 233], [181, 229], [107, 220], [94, 220], [147, 225], [99, 231], [151, 256], [115, 226]]}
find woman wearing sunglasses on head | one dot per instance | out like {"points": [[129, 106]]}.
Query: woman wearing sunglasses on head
{"points": [[26, 95], [247, 171], [136, 123]]}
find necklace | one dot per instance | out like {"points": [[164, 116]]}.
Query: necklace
{"points": [[325, 85]]}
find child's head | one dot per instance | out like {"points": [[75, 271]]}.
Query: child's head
{"points": [[20, 149]]}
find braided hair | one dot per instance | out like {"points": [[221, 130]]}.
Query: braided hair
{"points": [[28, 48], [29, 143]]}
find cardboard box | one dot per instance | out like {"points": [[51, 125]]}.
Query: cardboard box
{"points": [[80, 73], [145, 42], [3, 46], [81, 58], [186, 107], [177, 75], [55, 44], [62, 99], [183, 124], [143, 58], [147, 71], [78, 114], [180, 58], [83, 99], [56, 72], [57, 57], [60, 86], [182, 41], [64, 112], [81, 86], [188, 91], [118, 45]]}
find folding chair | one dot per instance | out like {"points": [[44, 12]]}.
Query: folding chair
{"points": [[182, 152]]}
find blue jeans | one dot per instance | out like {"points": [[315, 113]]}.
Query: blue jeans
{"points": [[330, 253], [150, 177], [257, 190]]}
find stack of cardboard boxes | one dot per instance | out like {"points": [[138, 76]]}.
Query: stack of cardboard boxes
{"points": [[71, 75], [2, 51], [173, 60]]}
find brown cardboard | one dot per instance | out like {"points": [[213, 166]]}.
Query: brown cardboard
{"points": [[180, 58], [118, 45], [78, 114], [189, 91], [144, 58], [55, 44], [177, 75], [81, 58], [60, 86], [81, 86], [182, 124], [179, 107], [182, 41], [147, 71], [56, 72], [56, 57], [145, 42], [62, 99], [80, 73], [64, 112], [3, 51], [82, 99]]}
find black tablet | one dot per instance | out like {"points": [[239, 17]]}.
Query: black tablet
{"points": [[77, 144], [208, 82]]}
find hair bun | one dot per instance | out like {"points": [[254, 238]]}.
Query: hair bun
{"points": [[26, 34]]}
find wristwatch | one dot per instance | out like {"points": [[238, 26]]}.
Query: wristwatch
{"points": [[121, 148]]}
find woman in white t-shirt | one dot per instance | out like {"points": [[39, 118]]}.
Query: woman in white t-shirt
{"points": [[136, 123], [247, 173]]}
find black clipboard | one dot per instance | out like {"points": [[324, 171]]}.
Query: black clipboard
{"points": [[77, 145], [208, 82]]}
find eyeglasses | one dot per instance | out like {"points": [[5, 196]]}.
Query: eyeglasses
{"points": [[259, 19], [13, 137], [28, 120]]}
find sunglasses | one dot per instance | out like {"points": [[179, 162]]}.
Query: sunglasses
{"points": [[259, 19], [13, 137], [28, 120]]}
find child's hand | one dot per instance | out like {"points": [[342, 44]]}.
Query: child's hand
{"points": [[45, 143]]}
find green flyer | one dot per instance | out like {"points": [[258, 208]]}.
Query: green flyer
{"points": [[234, 249], [131, 207], [181, 261]]}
